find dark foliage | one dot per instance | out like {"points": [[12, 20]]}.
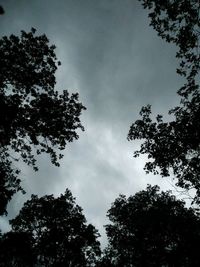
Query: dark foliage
{"points": [[152, 228], [60, 233], [177, 21], [171, 145], [1, 10], [34, 117], [16, 250], [174, 146], [9, 184]]}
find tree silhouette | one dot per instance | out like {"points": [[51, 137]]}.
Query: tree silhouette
{"points": [[34, 117], [16, 250], [61, 235], [177, 21], [9, 184], [174, 145], [152, 228], [1, 10]]}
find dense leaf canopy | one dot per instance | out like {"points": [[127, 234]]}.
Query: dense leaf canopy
{"points": [[16, 250], [34, 117], [59, 230], [152, 228]]}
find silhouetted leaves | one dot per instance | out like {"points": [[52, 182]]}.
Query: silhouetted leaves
{"points": [[61, 235], [178, 21], [1, 10], [34, 117], [173, 147], [152, 229], [33, 112], [16, 250], [9, 184]]}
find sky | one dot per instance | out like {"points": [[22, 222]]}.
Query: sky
{"points": [[117, 63]]}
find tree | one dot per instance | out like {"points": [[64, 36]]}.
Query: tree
{"points": [[16, 250], [174, 145], [177, 21], [34, 117], [61, 235], [152, 228]]}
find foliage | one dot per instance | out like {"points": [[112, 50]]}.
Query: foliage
{"points": [[9, 184], [16, 250], [152, 228], [171, 145], [178, 21], [174, 145], [34, 113], [34, 117], [1, 10], [61, 235]]}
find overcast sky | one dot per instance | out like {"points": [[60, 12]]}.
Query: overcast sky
{"points": [[117, 63]]}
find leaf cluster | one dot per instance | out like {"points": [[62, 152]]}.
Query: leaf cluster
{"points": [[56, 232], [151, 229], [34, 117], [173, 147], [178, 22], [33, 113]]}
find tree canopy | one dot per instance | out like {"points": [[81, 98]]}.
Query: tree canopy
{"points": [[152, 228], [177, 21], [59, 231], [16, 250], [173, 146], [34, 117]]}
